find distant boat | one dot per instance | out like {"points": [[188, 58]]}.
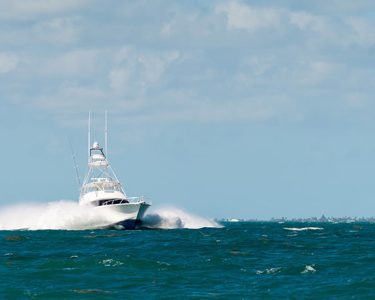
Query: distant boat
{"points": [[103, 190]]}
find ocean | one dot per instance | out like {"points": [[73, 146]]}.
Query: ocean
{"points": [[244, 260]]}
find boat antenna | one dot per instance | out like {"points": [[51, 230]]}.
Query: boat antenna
{"points": [[75, 163], [89, 135], [106, 133]]}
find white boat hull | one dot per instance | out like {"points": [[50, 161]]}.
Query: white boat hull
{"points": [[126, 215]]}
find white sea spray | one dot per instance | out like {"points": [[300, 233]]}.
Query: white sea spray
{"points": [[69, 215], [62, 214], [172, 218]]}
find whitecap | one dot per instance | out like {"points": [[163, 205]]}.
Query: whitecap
{"points": [[308, 269], [110, 263], [303, 228], [268, 271]]}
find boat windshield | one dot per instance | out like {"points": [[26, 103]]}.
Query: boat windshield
{"points": [[105, 186]]}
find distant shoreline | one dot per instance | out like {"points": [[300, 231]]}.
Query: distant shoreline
{"points": [[322, 219]]}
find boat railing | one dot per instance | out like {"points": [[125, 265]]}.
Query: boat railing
{"points": [[122, 201], [135, 199]]}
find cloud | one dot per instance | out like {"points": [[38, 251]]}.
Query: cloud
{"points": [[119, 78], [155, 66], [139, 70], [242, 16], [363, 31], [308, 21], [219, 61], [58, 30], [8, 62], [319, 71], [25, 9], [280, 19], [82, 63]]}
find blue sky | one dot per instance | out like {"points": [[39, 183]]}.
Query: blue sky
{"points": [[251, 109]]}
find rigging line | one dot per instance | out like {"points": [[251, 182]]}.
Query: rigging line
{"points": [[75, 163]]}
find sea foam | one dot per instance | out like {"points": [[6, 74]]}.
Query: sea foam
{"points": [[68, 215]]}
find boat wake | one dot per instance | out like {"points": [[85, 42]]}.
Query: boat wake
{"points": [[172, 218], [68, 215]]}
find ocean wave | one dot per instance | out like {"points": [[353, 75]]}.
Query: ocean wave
{"points": [[69, 215]]}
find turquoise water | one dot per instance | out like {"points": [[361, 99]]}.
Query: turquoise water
{"points": [[238, 261]]}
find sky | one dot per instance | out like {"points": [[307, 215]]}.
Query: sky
{"points": [[248, 109]]}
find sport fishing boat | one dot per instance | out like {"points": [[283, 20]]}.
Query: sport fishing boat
{"points": [[103, 190]]}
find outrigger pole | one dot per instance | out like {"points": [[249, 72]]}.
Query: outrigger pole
{"points": [[89, 135], [106, 134]]}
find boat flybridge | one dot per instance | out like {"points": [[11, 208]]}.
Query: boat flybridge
{"points": [[102, 189]]}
